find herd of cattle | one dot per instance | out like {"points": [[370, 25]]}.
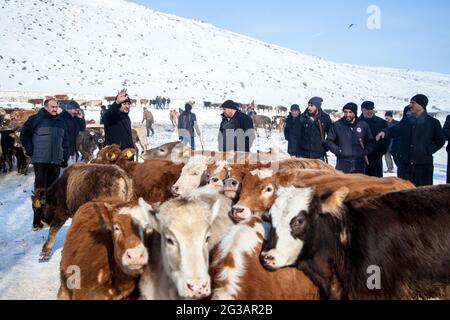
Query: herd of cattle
{"points": [[262, 226]]}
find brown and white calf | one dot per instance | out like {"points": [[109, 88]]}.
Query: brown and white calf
{"points": [[237, 273], [390, 246], [104, 253], [259, 187], [79, 184]]}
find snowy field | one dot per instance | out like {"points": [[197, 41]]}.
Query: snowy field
{"points": [[22, 276]]}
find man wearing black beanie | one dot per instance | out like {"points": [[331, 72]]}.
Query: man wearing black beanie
{"points": [[421, 137], [351, 141]]}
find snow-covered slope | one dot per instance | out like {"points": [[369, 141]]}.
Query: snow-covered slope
{"points": [[95, 47]]}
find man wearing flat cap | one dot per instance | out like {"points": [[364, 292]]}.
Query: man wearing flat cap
{"points": [[422, 136], [236, 131], [74, 119], [376, 124]]}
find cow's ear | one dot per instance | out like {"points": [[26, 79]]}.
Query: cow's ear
{"points": [[105, 215], [128, 153], [334, 203], [147, 216], [112, 155]]}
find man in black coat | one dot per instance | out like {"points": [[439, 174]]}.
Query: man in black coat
{"points": [[421, 137], [389, 117], [44, 137], [376, 125], [292, 131], [315, 125], [447, 136], [236, 131], [74, 118], [187, 126], [117, 123], [351, 141]]}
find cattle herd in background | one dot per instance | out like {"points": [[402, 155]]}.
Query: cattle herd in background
{"points": [[187, 224]]}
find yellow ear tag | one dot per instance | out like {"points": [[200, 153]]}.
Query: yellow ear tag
{"points": [[187, 153], [37, 204], [113, 156], [129, 154]]}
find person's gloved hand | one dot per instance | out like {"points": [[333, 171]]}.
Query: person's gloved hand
{"points": [[64, 164]]}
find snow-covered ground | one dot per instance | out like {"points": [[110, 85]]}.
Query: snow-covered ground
{"points": [[95, 47], [90, 49], [22, 276]]}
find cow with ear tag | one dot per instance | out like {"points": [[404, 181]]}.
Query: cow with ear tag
{"points": [[179, 261]]}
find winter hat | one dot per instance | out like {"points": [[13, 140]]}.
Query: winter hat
{"points": [[351, 106], [406, 111], [420, 99], [72, 105], [187, 107], [316, 101], [368, 105], [229, 104], [295, 107], [389, 114]]}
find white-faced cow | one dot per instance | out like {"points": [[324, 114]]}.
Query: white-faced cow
{"points": [[237, 273], [390, 246], [179, 260]]}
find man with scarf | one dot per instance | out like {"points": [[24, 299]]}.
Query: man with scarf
{"points": [[351, 140], [422, 136], [314, 124]]}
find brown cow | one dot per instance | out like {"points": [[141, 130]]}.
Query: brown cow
{"points": [[61, 97], [164, 152], [174, 115], [144, 102], [36, 102], [237, 273], [80, 183], [23, 161], [152, 179], [105, 243], [237, 173], [259, 187]]}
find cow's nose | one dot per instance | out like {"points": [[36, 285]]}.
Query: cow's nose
{"points": [[237, 214], [175, 190], [135, 257], [215, 180], [267, 259], [198, 288]]}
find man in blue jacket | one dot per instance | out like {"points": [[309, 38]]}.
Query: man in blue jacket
{"points": [[421, 137], [351, 140]]}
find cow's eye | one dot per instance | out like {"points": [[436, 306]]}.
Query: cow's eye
{"points": [[161, 150], [298, 222], [116, 229], [170, 241], [207, 239], [268, 189]]}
